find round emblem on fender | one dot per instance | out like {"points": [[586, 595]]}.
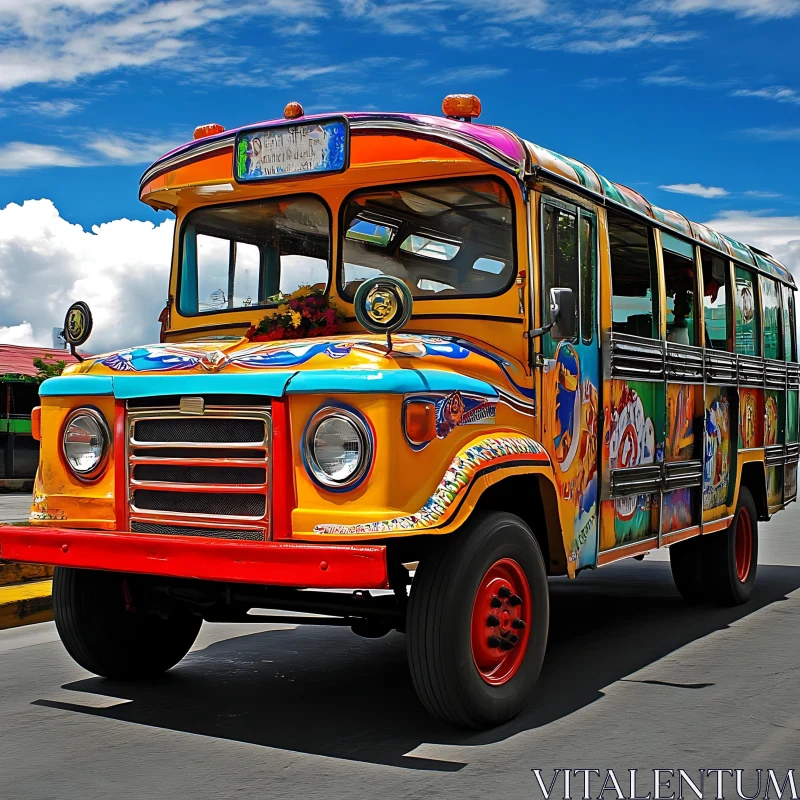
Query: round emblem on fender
{"points": [[383, 304], [77, 324]]}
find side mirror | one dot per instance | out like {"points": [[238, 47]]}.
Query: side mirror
{"points": [[77, 326], [562, 313]]}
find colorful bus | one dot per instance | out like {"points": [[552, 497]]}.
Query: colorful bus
{"points": [[410, 367]]}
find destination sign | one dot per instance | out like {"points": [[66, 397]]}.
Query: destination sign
{"points": [[278, 152]]}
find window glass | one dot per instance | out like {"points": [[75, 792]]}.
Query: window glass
{"points": [[246, 269], [588, 257], [431, 248], [633, 309], [680, 281], [715, 300], [770, 304], [789, 343], [249, 254], [560, 245], [454, 238], [748, 335]]}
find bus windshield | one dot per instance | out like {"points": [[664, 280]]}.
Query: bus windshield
{"points": [[445, 239], [251, 254]]}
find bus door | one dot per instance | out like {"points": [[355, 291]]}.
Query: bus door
{"points": [[570, 372], [634, 402], [687, 403]]}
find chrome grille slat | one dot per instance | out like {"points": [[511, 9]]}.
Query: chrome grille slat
{"points": [[177, 481]]}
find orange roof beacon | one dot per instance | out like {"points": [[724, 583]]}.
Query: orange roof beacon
{"points": [[420, 354]]}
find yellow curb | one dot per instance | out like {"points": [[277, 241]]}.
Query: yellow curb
{"points": [[25, 604]]}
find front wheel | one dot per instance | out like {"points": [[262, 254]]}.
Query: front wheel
{"points": [[477, 622], [107, 634]]}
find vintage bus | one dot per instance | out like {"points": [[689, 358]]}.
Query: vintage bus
{"points": [[410, 367]]}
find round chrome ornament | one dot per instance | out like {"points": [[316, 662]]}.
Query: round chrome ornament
{"points": [[383, 304]]}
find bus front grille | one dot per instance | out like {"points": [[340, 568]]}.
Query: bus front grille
{"points": [[199, 474]]}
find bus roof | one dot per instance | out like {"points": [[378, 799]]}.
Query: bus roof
{"points": [[505, 150]]}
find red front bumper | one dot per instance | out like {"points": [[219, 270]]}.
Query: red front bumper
{"points": [[343, 566]]}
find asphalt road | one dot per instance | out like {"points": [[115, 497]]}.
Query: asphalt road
{"points": [[633, 679], [14, 506]]}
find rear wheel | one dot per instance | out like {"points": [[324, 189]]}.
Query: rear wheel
{"points": [[731, 555], [104, 631], [686, 560], [477, 622]]}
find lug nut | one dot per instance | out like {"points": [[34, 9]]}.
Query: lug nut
{"points": [[492, 620], [505, 644], [495, 641], [495, 602], [515, 600], [504, 591], [519, 624]]}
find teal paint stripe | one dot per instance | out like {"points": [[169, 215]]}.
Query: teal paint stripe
{"points": [[71, 385], [391, 381], [267, 383], [125, 387]]}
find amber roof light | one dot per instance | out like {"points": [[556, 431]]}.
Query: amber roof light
{"points": [[293, 110], [461, 106], [201, 131]]}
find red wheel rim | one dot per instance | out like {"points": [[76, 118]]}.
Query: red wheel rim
{"points": [[744, 544], [501, 618]]}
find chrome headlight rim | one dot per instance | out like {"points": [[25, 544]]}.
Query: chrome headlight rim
{"points": [[87, 476], [362, 428]]}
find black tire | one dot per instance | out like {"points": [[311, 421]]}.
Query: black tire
{"points": [[686, 560], [439, 625], [727, 586], [107, 635]]}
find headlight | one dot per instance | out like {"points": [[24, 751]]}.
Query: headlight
{"points": [[86, 441], [338, 447]]}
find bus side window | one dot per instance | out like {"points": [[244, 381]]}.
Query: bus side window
{"points": [[560, 234], [789, 341], [716, 280], [770, 303], [680, 280], [748, 332], [631, 247]]}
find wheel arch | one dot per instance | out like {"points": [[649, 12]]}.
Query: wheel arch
{"points": [[533, 498], [754, 478]]}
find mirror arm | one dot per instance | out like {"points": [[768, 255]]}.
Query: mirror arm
{"points": [[72, 350], [535, 333]]}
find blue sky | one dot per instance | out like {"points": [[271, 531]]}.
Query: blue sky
{"points": [[699, 95]]}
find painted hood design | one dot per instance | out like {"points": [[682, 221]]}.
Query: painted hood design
{"points": [[340, 363]]}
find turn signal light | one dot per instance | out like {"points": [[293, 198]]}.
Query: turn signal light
{"points": [[36, 423], [420, 422], [462, 106], [201, 131], [293, 110]]}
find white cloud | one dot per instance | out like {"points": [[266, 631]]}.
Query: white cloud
{"points": [[109, 148], [21, 334], [774, 134], [17, 156], [50, 41], [778, 236], [780, 94], [466, 74], [130, 149], [696, 189], [52, 108], [741, 8], [120, 268]]}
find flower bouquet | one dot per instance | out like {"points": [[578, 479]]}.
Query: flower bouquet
{"points": [[305, 313]]}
